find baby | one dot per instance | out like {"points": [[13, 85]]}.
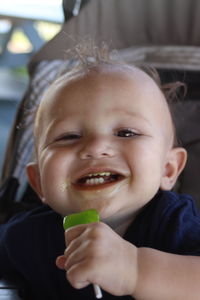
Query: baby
{"points": [[105, 139]]}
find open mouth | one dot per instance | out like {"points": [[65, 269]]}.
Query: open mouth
{"points": [[98, 179]]}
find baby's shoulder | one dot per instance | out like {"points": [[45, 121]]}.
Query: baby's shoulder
{"points": [[35, 221], [170, 201]]}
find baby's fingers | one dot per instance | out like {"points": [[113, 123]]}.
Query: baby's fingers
{"points": [[74, 232], [70, 258], [81, 275], [60, 262]]}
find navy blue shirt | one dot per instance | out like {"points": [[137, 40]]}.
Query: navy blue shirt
{"points": [[31, 242]]}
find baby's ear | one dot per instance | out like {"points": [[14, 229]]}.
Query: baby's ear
{"points": [[34, 178], [175, 163]]}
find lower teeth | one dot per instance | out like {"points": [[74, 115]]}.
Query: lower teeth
{"points": [[94, 181]]}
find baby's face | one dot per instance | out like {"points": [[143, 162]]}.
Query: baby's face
{"points": [[103, 143]]}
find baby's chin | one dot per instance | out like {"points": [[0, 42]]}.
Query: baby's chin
{"points": [[103, 206]]}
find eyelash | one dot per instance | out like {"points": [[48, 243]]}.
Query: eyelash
{"points": [[126, 133], [70, 136]]}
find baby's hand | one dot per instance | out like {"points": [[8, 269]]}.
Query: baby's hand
{"points": [[96, 254]]}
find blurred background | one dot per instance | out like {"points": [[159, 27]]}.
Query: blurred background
{"points": [[25, 25]]}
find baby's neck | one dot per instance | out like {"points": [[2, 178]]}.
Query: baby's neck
{"points": [[121, 229], [120, 225]]}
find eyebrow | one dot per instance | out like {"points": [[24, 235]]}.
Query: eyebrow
{"points": [[130, 114]]}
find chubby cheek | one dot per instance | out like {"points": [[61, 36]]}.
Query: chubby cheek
{"points": [[54, 170], [146, 165]]}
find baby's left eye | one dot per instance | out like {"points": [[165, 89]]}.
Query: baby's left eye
{"points": [[126, 133]]}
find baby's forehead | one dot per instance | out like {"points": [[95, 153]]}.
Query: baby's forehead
{"points": [[123, 77], [102, 71], [98, 74]]}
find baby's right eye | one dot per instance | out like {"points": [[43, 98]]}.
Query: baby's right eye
{"points": [[68, 136]]}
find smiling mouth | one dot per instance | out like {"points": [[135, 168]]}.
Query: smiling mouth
{"points": [[98, 180]]}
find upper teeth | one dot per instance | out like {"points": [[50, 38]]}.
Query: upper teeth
{"points": [[100, 174], [98, 180]]}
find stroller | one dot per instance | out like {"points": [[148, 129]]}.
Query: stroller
{"points": [[160, 33]]}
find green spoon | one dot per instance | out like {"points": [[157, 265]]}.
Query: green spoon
{"points": [[84, 217]]}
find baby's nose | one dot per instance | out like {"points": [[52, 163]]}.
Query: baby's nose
{"points": [[95, 148]]}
